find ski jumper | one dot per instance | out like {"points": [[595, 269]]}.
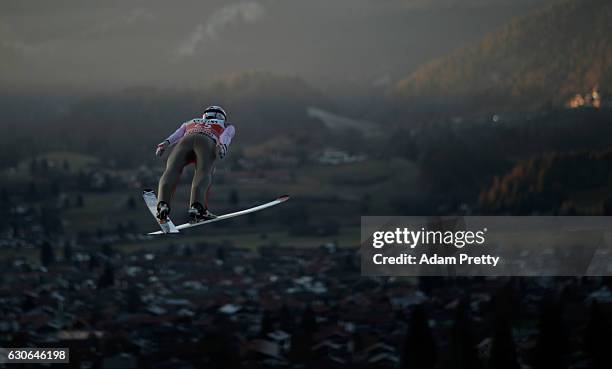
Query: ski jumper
{"points": [[196, 142]]}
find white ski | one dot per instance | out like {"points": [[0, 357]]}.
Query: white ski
{"points": [[279, 200], [151, 200]]}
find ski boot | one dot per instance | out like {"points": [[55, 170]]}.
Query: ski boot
{"points": [[163, 210], [197, 213]]}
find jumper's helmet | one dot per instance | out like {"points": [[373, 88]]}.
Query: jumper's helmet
{"points": [[214, 112]]}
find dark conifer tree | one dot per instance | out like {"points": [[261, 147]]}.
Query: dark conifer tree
{"points": [[552, 345], [94, 262], [302, 338], [267, 324], [464, 354], [67, 251], [107, 279], [47, 256], [503, 350], [597, 337], [419, 349], [285, 318]]}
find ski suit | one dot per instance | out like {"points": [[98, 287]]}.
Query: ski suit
{"points": [[196, 142]]}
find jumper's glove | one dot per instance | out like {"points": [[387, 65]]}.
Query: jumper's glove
{"points": [[162, 147], [221, 150]]}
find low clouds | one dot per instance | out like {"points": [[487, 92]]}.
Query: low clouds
{"points": [[16, 41], [117, 43], [125, 19], [241, 12], [12, 41]]}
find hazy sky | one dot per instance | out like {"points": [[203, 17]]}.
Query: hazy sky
{"points": [[87, 44]]}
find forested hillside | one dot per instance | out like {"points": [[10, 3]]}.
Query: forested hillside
{"points": [[542, 59]]}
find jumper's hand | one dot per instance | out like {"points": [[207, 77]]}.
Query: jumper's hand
{"points": [[161, 148], [221, 150]]}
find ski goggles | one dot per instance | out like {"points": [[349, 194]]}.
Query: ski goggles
{"points": [[214, 114]]}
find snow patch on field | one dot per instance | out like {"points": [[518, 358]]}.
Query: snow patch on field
{"points": [[338, 122]]}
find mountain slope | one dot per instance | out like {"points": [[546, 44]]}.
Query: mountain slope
{"points": [[544, 58], [125, 125]]}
